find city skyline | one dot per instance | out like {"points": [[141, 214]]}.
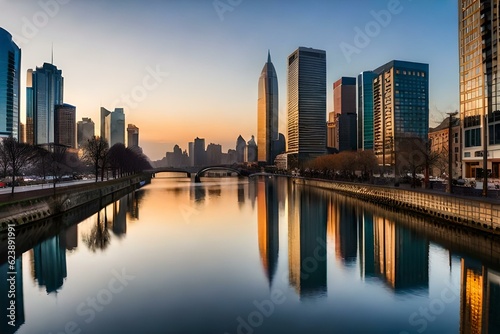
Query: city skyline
{"points": [[147, 49]]}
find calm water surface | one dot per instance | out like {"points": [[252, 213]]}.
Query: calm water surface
{"points": [[259, 256]]}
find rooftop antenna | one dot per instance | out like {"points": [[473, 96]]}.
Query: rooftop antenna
{"points": [[52, 58]]}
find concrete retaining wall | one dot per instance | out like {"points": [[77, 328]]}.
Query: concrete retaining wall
{"points": [[31, 210], [479, 214]]}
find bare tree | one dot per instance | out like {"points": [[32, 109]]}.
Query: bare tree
{"points": [[99, 237], [4, 160], [412, 157], [95, 152], [18, 155], [57, 166]]}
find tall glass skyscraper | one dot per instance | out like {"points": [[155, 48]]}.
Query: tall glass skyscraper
{"points": [[479, 85], [113, 126], [267, 122], [306, 105], [10, 98], [30, 137], [365, 110], [400, 111], [48, 87]]}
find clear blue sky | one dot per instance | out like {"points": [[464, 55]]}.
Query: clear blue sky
{"points": [[208, 61]]}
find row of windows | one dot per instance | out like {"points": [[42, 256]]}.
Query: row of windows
{"points": [[473, 137], [494, 134], [414, 73]]}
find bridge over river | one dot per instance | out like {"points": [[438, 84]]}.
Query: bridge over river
{"points": [[196, 172]]}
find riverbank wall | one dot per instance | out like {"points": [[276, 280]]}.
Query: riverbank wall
{"points": [[41, 205], [479, 214]]}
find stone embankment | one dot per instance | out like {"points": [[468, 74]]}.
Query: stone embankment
{"points": [[30, 207], [477, 213]]}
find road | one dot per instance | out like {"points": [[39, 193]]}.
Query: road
{"points": [[43, 186]]}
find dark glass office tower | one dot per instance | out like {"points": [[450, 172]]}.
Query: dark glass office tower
{"points": [[48, 87], [306, 105], [365, 110], [400, 112], [10, 98]]}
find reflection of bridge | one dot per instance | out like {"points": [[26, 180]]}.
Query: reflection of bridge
{"points": [[196, 172]]}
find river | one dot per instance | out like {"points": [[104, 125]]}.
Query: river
{"points": [[247, 256]]}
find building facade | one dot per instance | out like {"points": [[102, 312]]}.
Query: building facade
{"points": [[113, 126], [30, 132], [438, 143], [365, 110], [199, 152], [400, 114], [241, 145], [251, 151], [10, 85], [344, 115], [132, 136], [47, 93], [65, 125], [85, 131], [479, 101], [267, 114], [306, 105]]}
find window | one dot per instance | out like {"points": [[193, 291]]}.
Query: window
{"points": [[473, 137]]}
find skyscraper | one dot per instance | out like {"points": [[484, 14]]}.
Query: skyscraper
{"points": [[267, 113], [400, 113], [199, 152], [10, 98], [132, 136], [241, 145], [30, 136], [479, 104], [48, 88], [113, 126], [365, 110], [306, 105], [85, 131], [344, 109], [64, 125]]}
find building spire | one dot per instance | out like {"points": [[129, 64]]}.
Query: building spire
{"points": [[268, 56], [52, 55]]}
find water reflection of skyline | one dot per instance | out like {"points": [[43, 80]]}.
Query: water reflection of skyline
{"points": [[268, 226], [479, 298], [307, 216], [317, 221]]}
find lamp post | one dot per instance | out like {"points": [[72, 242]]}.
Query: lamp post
{"points": [[449, 187], [485, 156]]}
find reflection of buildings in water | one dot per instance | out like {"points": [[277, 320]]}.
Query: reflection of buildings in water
{"points": [[133, 200], [343, 228], [241, 195], [401, 257], [18, 297], [479, 298], [214, 191], [197, 192], [252, 192], [50, 264], [281, 185], [366, 245], [120, 209], [307, 242], [267, 208], [71, 237]]}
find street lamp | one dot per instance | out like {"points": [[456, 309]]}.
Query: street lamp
{"points": [[485, 155], [449, 187]]}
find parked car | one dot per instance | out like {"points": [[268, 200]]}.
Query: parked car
{"points": [[3, 184]]}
